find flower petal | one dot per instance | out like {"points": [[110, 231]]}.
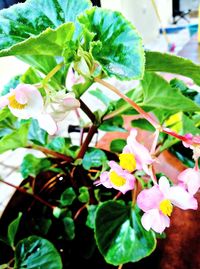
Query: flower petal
{"points": [[149, 198], [155, 220], [164, 185], [104, 180], [191, 179], [71, 103], [4, 101], [34, 102], [47, 123], [21, 97], [181, 198], [141, 153]]}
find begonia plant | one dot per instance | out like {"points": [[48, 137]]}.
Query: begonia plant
{"points": [[81, 202]]}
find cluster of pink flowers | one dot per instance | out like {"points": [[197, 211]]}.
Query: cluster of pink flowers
{"points": [[156, 202]]}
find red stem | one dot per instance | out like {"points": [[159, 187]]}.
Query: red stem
{"points": [[79, 211], [180, 137], [25, 192], [143, 113], [52, 153], [87, 111], [128, 100], [87, 141]]}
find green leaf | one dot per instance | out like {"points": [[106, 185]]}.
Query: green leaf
{"points": [[32, 166], [67, 197], [117, 145], [114, 43], [189, 126], [114, 124], [143, 124], [44, 64], [90, 221], [60, 144], [101, 96], [36, 252], [179, 84], [182, 125], [164, 62], [42, 225], [29, 28], [50, 42], [37, 134], [119, 234], [69, 228], [4, 113], [159, 94], [31, 76], [84, 196], [12, 84], [93, 158], [4, 266], [16, 139], [12, 229]]}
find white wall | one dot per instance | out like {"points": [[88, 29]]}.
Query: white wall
{"points": [[142, 15]]}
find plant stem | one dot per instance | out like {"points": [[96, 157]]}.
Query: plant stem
{"points": [[120, 266], [79, 211], [142, 112], [36, 197], [51, 152], [116, 112], [180, 137], [155, 140], [87, 141], [87, 111], [153, 175], [134, 193], [117, 195], [52, 73], [128, 100]]}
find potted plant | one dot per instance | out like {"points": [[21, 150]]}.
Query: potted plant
{"points": [[81, 205]]}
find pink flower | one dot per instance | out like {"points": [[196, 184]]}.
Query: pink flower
{"points": [[194, 145], [60, 104], [117, 178], [141, 153], [25, 102], [190, 180], [157, 203]]}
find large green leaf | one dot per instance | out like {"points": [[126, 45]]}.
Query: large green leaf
{"points": [[16, 139], [119, 234], [50, 42], [164, 62], [116, 44], [36, 252], [159, 94], [29, 28], [43, 63]]}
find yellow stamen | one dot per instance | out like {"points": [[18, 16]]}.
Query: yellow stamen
{"points": [[166, 207], [117, 180], [127, 161], [14, 103]]}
